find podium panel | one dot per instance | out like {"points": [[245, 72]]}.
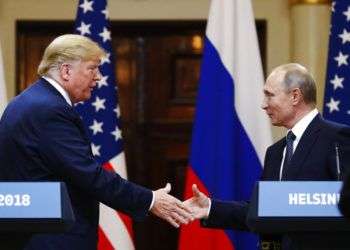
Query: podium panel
{"points": [[299, 199], [34, 207], [294, 206]]}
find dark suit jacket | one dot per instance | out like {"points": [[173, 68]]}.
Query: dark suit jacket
{"points": [[344, 203], [313, 159], [42, 138]]}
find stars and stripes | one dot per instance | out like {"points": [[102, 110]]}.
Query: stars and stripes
{"points": [[347, 12], [337, 90], [101, 117]]}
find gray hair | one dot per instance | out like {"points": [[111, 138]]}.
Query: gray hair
{"points": [[297, 76]]}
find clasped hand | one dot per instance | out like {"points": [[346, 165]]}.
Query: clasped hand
{"points": [[176, 212]]}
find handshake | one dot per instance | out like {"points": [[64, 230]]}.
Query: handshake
{"points": [[176, 212]]}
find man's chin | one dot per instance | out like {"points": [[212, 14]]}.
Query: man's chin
{"points": [[83, 99], [276, 123], [87, 97]]}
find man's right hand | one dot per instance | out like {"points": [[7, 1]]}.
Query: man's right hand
{"points": [[199, 203], [169, 208]]}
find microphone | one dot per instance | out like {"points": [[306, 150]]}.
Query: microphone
{"points": [[337, 160]]}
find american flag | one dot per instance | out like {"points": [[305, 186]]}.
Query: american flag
{"points": [[101, 116], [337, 92]]}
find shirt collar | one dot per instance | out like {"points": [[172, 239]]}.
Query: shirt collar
{"points": [[300, 127], [59, 88]]}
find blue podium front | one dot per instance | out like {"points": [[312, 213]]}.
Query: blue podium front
{"points": [[291, 206], [304, 212], [299, 199], [35, 207]]}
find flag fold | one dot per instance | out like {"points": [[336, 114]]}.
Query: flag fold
{"points": [[231, 131]]}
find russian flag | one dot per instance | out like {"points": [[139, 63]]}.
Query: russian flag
{"points": [[231, 132]]}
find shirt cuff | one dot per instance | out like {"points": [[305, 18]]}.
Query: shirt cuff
{"points": [[209, 208], [152, 203]]}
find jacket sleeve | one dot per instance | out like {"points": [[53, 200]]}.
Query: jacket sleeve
{"points": [[344, 148], [343, 140], [344, 203], [227, 215], [67, 154]]}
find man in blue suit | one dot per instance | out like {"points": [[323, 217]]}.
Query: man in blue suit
{"points": [[306, 153], [42, 138]]}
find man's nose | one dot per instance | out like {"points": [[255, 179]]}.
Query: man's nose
{"points": [[264, 104], [98, 75]]}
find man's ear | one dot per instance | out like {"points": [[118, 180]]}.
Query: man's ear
{"points": [[297, 96], [65, 71]]}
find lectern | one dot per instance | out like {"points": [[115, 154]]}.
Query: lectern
{"points": [[306, 211], [32, 207]]}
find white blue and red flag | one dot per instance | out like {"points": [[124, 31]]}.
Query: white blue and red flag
{"points": [[231, 131], [101, 116], [337, 88]]}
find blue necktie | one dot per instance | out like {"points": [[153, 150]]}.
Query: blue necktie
{"points": [[289, 153]]}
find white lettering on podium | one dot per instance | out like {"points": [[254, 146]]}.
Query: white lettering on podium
{"points": [[313, 198], [302, 199], [15, 200]]}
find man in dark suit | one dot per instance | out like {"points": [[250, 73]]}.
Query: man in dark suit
{"points": [[42, 138], [306, 153], [344, 203]]}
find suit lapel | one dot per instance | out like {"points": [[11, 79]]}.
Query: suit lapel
{"points": [[274, 159], [277, 160], [304, 147]]}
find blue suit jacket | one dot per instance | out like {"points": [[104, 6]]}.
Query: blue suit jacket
{"points": [[42, 138], [313, 159]]}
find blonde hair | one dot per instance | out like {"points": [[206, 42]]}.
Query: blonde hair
{"points": [[68, 48]]}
